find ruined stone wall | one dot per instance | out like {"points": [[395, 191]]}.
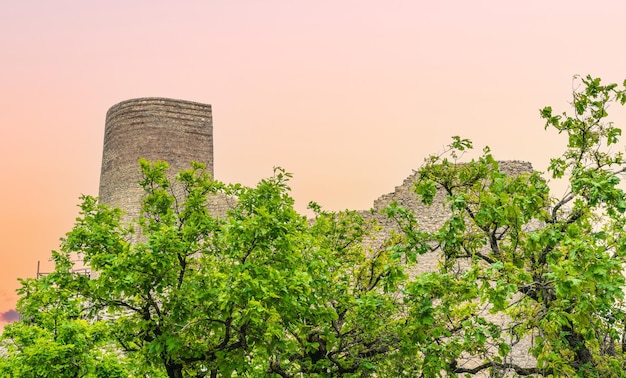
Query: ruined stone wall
{"points": [[431, 218], [174, 131]]}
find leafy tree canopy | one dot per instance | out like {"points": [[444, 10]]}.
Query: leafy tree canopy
{"points": [[527, 283]]}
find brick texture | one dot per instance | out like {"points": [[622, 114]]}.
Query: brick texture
{"points": [[174, 131]]}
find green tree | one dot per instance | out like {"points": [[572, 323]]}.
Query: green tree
{"points": [[255, 291], [55, 338], [351, 319], [553, 267], [189, 290]]}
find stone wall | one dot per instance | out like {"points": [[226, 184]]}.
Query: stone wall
{"points": [[431, 218]]}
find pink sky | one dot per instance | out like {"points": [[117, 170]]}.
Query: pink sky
{"points": [[350, 96]]}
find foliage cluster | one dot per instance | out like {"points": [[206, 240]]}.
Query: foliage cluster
{"points": [[262, 291]]}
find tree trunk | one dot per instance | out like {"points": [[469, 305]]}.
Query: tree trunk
{"points": [[577, 343], [174, 370]]}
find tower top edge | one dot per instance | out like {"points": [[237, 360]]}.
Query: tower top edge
{"points": [[157, 101]]}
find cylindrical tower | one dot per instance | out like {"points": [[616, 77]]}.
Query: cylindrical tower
{"points": [[174, 131]]}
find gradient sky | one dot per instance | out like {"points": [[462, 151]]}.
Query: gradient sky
{"points": [[349, 95]]}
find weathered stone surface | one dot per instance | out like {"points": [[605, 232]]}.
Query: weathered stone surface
{"points": [[431, 218], [174, 131]]}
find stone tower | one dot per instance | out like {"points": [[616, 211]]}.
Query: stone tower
{"points": [[174, 131]]}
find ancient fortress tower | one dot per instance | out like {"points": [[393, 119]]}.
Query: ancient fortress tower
{"points": [[174, 131]]}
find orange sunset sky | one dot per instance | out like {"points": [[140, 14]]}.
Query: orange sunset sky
{"points": [[349, 95]]}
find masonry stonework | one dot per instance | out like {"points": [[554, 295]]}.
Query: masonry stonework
{"points": [[431, 218], [174, 131]]}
